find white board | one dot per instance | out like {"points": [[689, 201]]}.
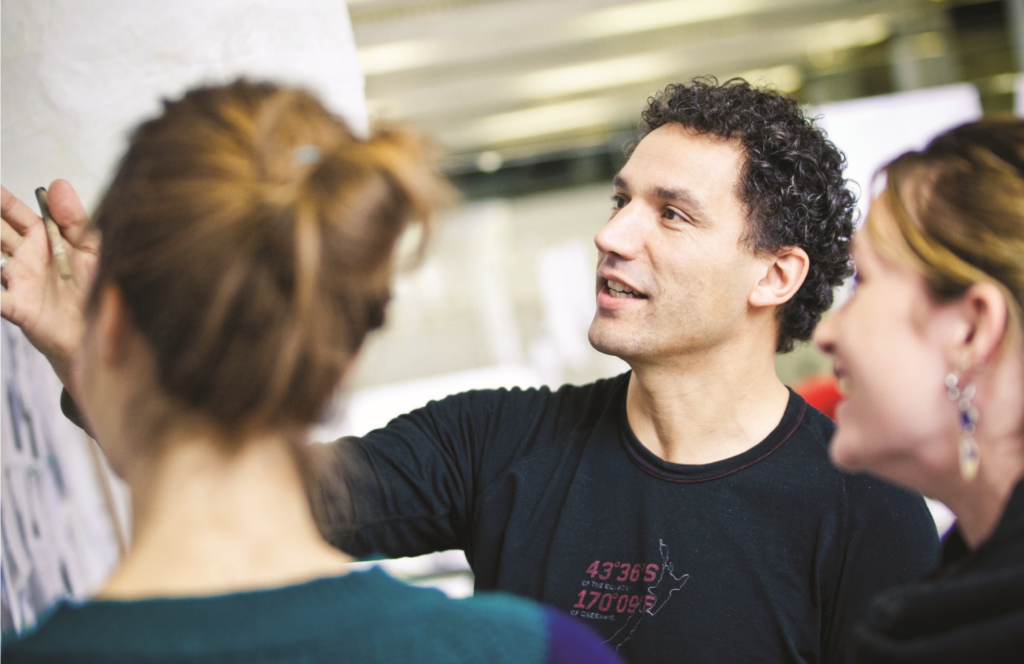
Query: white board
{"points": [[60, 528]]}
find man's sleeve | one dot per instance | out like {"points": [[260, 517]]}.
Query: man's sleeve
{"points": [[891, 541], [410, 488]]}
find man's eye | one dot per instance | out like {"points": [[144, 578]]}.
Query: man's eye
{"points": [[618, 202], [674, 215]]}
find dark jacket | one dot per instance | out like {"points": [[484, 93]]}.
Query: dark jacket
{"points": [[970, 610]]}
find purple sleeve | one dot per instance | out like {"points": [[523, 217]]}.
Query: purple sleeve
{"points": [[572, 642]]}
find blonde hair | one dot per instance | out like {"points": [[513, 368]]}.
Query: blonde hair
{"points": [[252, 236], [959, 211]]}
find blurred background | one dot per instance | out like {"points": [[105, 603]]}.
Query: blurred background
{"points": [[531, 102]]}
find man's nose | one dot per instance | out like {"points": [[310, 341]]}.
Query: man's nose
{"points": [[622, 234]]}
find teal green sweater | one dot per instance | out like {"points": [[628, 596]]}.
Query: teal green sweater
{"points": [[360, 617]]}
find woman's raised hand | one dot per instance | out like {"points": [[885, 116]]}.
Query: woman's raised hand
{"points": [[48, 309]]}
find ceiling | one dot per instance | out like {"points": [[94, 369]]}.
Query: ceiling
{"points": [[507, 84]]}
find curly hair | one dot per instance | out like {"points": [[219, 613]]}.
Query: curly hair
{"points": [[792, 183]]}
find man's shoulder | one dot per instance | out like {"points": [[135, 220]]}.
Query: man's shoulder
{"points": [[566, 397], [865, 496], [814, 424], [503, 418], [861, 489], [803, 437], [601, 386]]}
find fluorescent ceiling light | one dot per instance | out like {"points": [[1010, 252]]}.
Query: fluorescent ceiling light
{"points": [[785, 78], [596, 75], [637, 17], [850, 33], [396, 56], [615, 20], [538, 121]]}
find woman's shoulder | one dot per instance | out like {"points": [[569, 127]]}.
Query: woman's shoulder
{"points": [[961, 613], [365, 616], [477, 627]]}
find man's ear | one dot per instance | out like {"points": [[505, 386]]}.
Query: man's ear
{"points": [[784, 273], [979, 326], [112, 326]]}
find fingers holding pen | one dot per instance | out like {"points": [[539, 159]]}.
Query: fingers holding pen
{"points": [[69, 213], [60, 255], [31, 254], [71, 239], [22, 236]]}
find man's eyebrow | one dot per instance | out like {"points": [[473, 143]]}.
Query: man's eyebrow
{"points": [[675, 194], [683, 196]]}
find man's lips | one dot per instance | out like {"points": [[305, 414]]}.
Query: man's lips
{"points": [[613, 296], [618, 287]]}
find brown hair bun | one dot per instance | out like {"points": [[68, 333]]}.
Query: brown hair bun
{"points": [[252, 235]]}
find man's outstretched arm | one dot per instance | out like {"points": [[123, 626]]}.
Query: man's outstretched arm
{"points": [[414, 486], [403, 490]]}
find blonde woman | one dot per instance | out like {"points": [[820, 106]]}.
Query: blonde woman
{"points": [[930, 349], [248, 243]]}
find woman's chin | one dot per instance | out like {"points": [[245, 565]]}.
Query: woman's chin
{"points": [[847, 450], [855, 453]]}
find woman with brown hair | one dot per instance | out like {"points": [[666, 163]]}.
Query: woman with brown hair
{"points": [[248, 248], [930, 350]]}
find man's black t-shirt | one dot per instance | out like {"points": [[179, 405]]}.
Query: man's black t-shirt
{"points": [[769, 556]]}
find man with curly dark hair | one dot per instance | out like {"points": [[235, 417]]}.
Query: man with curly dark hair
{"points": [[686, 510], [791, 185]]}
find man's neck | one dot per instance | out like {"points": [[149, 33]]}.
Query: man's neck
{"points": [[702, 409]]}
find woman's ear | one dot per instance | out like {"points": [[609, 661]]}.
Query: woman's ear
{"points": [[785, 272], [980, 326], [112, 326]]}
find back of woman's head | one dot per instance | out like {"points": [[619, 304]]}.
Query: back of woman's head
{"points": [[959, 210], [251, 235]]}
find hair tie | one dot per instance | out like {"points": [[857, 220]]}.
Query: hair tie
{"points": [[306, 155]]}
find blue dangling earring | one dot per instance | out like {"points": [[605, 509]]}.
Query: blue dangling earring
{"points": [[968, 448]]}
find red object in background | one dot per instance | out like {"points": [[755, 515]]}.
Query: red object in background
{"points": [[820, 391]]}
